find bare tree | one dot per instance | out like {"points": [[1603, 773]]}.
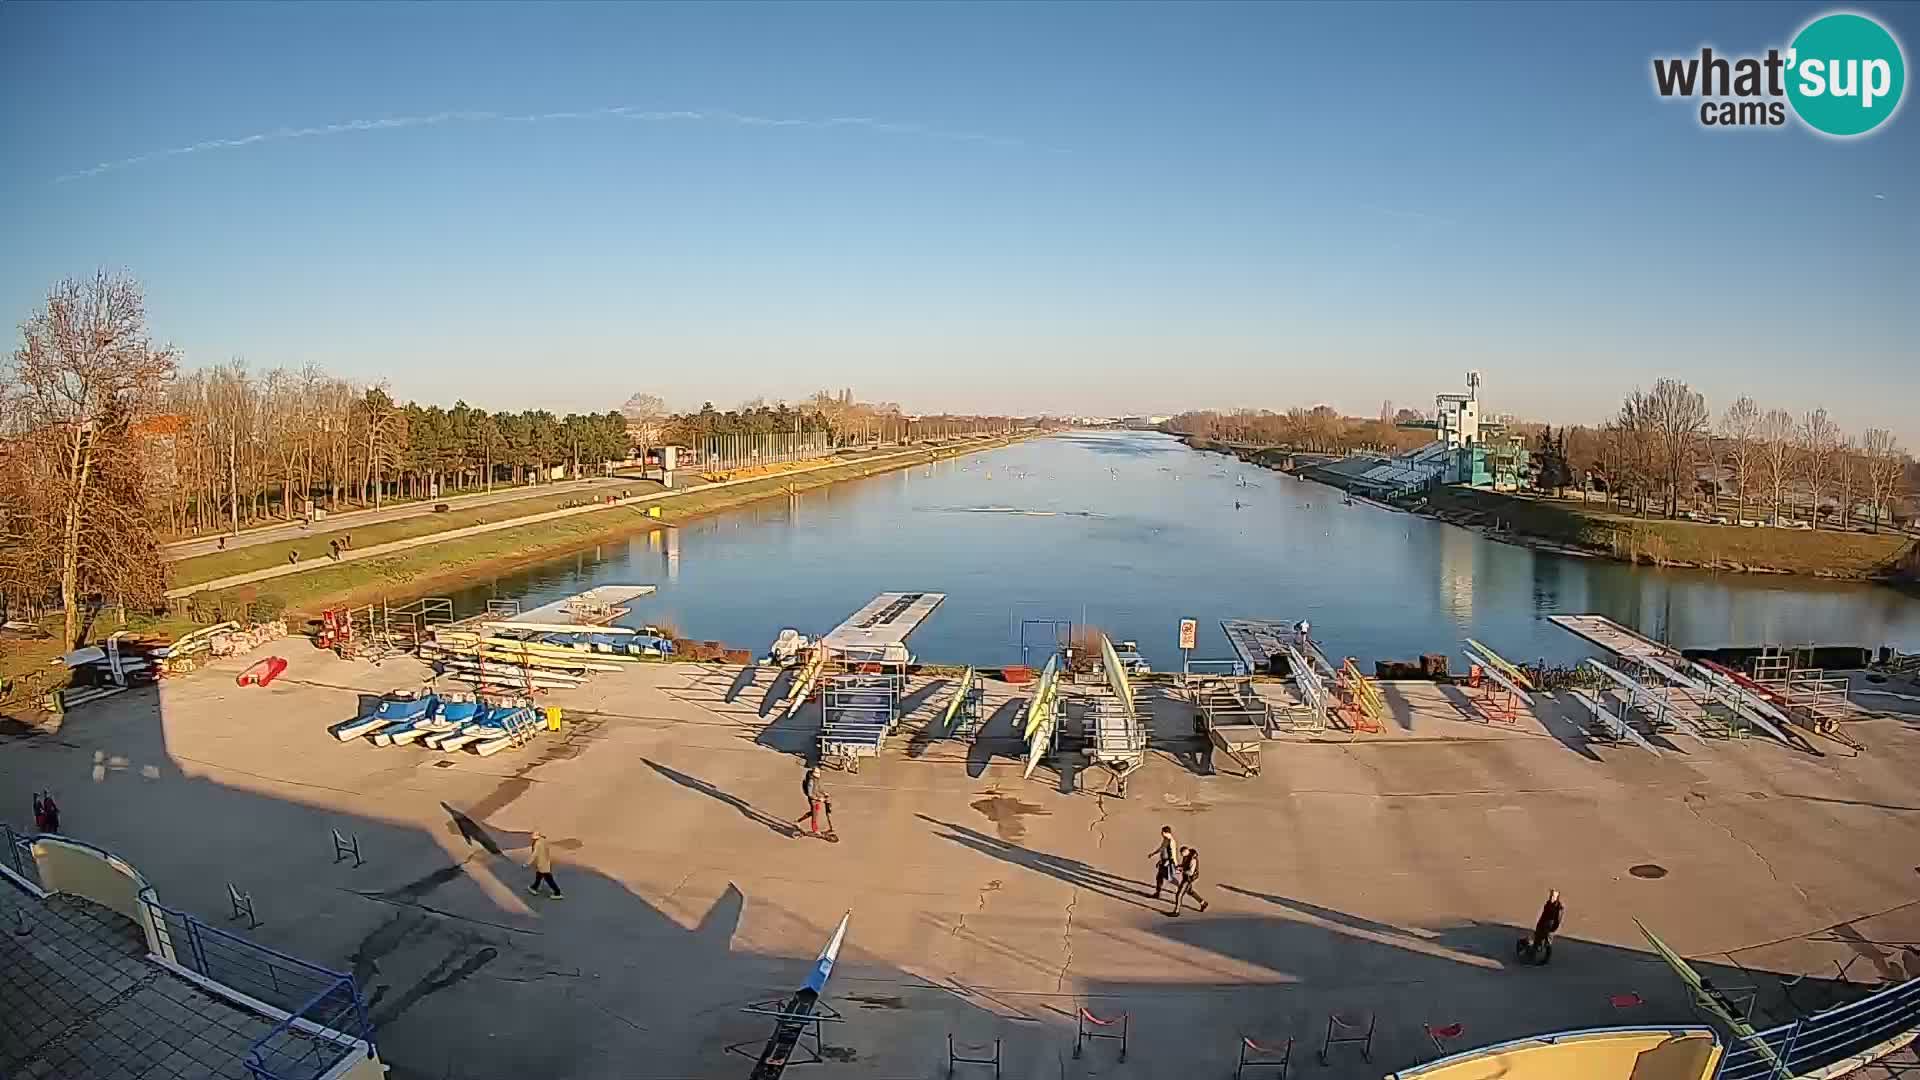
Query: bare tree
{"points": [[1886, 466], [644, 413], [1819, 453], [1676, 418], [1629, 451], [84, 375], [1739, 431], [1777, 452], [1847, 477], [384, 429]]}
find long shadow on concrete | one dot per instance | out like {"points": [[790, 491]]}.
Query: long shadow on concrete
{"points": [[997, 730], [1397, 706], [777, 691], [741, 682], [745, 809], [1071, 871]]}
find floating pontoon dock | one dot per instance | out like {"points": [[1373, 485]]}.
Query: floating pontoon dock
{"points": [[1615, 638], [878, 631], [598, 606], [1258, 642]]}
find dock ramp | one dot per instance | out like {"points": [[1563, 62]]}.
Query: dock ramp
{"points": [[1273, 647], [878, 632], [857, 713]]}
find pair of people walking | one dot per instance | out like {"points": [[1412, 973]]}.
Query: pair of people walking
{"points": [[1177, 866], [46, 812]]}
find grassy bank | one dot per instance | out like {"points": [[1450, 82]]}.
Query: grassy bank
{"points": [[313, 545], [457, 562], [1657, 541]]}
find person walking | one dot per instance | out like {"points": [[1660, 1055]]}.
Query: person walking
{"points": [[333, 549], [39, 814], [1166, 859], [819, 805], [1547, 925], [1189, 869], [51, 810], [543, 866]]}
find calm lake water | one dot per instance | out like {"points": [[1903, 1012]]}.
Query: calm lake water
{"points": [[1133, 531]]}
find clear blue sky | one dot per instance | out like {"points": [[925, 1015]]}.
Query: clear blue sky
{"points": [[1078, 207]]}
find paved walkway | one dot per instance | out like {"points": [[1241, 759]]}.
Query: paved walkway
{"points": [[1383, 878], [349, 519]]}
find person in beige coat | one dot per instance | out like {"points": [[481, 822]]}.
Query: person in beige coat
{"points": [[543, 865]]}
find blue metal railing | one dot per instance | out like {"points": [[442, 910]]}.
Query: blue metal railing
{"points": [[295, 1051], [1826, 1038], [326, 1018], [314, 997]]}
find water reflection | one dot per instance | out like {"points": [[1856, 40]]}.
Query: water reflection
{"points": [[1131, 532]]}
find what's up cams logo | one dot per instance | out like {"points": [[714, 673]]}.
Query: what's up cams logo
{"points": [[1842, 76]]}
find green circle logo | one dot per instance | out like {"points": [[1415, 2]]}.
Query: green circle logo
{"points": [[1845, 74]]}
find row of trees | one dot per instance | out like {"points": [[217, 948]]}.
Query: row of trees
{"points": [[1663, 451], [846, 421], [1319, 430], [1666, 447], [251, 445], [242, 446], [106, 446]]}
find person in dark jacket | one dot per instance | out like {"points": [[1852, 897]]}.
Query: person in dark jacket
{"points": [[1549, 922], [51, 810], [1189, 870], [39, 813], [1538, 947], [1166, 859], [819, 805]]}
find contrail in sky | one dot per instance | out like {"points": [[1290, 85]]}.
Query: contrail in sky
{"points": [[621, 112]]}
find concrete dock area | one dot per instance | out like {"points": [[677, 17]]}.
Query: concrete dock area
{"points": [[1383, 877]]}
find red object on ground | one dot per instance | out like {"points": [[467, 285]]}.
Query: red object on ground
{"points": [[1017, 674], [1625, 1001], [263, 672], [1760, 690]]}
